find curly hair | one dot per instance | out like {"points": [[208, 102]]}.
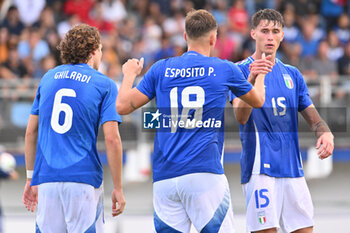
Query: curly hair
{"points": [[78, 44]]}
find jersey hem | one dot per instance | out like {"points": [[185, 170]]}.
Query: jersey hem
{"points": [[155, 179]]}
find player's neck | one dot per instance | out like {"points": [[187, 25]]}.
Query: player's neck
{"points": [[90, 62], [200, 49]]}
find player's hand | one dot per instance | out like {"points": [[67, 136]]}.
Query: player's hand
{"points": [[118, 202], [133, 67], [30, 196], [325, 145], [14, 175], [260, 66]]}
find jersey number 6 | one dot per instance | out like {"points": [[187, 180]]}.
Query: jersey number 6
{"points": [[59, 107]]}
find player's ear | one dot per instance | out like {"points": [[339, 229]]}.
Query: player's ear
{"points": [[252, 33], [282, 36], [212, 38], [185, 36]]}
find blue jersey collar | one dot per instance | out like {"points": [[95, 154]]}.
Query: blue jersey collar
{"points": [[82, 65], [193, 53], [252, 59]]}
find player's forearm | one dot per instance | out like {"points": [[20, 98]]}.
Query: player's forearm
{"points": [[314, 120], [30, 150], [124, 103], [241, 110], [31, 138], [320, 128], [115, 160], [259, 85]]}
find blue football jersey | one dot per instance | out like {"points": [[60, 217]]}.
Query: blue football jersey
{"points": [[72, 101], [269, 139], [191, 88]]}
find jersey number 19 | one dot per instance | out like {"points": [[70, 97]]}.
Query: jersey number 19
{"points": [[187, 105]]}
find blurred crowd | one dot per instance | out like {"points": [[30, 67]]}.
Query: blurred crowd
{"points": [[317, 32]]}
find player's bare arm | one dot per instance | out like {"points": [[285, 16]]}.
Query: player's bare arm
{"points": [[130, 98], [114, 153], [30, 194], [325, 141], [242, 109]]}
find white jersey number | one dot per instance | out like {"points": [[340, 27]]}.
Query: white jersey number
{"points": [[280, 103], [59, 107], [187, 105]]}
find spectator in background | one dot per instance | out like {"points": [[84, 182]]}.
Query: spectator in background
{"points": [[12, 22], [291, 31], [335, 50], [175, 25], [13, 67], [57, 8], [64, 26], [46, 22], [253, 5], [293, 55], [225, 46], [321, 65], [248, 48], [302, 8], [344, 62], [29, 10], [307, 39], [113, 10], [152, 34], [4, 37], [81, 8], [97, 20], [219, 11], [331, 10], [155, 13], [47, 63], [33, 49], [343, 29], [166, 50], [238, 21], [53, 40]]}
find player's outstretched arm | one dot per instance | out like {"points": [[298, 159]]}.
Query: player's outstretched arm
{"points": [[115, 160], [325, 141], [130, 98], [30, 194], [256, 97]]}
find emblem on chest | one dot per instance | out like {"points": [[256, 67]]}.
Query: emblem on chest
{"points": [[288, 81]]}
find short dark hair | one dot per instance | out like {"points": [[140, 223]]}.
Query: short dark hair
{"points": [[198, 23], [79, 43], [269, 15]]}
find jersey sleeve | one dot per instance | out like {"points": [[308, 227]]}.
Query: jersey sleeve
{"points": [[148, 84], [239, 80], [304, 99], [108, 110], [35, 106]]}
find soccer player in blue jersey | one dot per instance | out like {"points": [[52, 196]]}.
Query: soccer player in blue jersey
{"points": [[191, 91], [273, 180], [72, 101]]}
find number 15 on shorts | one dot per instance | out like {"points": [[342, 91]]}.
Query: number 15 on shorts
{"points": [[261, 198]]}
